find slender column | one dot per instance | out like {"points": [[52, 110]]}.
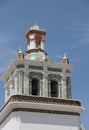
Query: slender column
{"points": [[45, 86], [16, 85], [68, 87], [59, 89], [11, 88], [26, 83], [19, 83], [7, 93], [30, 87], [41, 88], [49, 89], [64, 91]]}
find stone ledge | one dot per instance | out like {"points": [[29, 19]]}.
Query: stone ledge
{"points": [[41, 105], [45, 100]]}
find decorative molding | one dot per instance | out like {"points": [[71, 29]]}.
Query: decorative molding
{"points": [[35, 50], [54, 69], [35, 67], [45, 111], [37, 74], [40, 104], [54, 76], [46, 100]]}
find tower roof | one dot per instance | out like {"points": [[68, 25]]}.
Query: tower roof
{"points": [[37, 56], [35, 27]]}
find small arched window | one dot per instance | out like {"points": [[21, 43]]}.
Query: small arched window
{"points": [[54, 88], [35, 87]]}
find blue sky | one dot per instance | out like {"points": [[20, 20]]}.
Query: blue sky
{"points": [[67, 26]]}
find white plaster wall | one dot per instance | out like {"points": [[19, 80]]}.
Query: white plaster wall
{"points": [[10, 123], [32, 44], [42, 45], [28, 46], [32, 36], [41, 121]]}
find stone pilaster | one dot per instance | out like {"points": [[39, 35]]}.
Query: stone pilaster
{"points": [[20, 82], [41, 87], [49, 89], [59, 89], [68, 85], [16, 85], [64, 92], [30, 87], [11, 88], [26, 83], [7, 93], [45, 86]]}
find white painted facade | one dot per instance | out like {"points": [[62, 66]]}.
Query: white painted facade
{"points": [[32, 45], [40, 121], [42, 45]]}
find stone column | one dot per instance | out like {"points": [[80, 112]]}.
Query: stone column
{"points": [[45, 85], [16, 85], [30, 87], [11, 88], [19, 82], [68, 87], [49, 89], [59, 89], [41, 88], [7, 93], [26, 83], [64, 90]]}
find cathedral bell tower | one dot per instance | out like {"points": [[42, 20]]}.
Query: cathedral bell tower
{"points": [[34, 73], [38, 90]]}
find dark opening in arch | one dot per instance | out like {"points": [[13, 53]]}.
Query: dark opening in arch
{"points": [[35, 87], [54, 88]]}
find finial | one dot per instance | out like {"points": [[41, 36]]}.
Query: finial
{"points": [[65, 60], [65, 56], [20, 50], [20, 54]]}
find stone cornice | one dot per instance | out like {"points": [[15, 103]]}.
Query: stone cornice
{"points": [[12, 66], [40, 104]]}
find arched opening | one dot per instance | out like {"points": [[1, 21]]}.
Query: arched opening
{"points": [[54, 88], [35, 87]]}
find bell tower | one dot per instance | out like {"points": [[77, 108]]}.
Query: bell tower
{"points": [[34, 73], [38, 90]]}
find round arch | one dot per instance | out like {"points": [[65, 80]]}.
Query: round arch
{"points": [[35, 83]]}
